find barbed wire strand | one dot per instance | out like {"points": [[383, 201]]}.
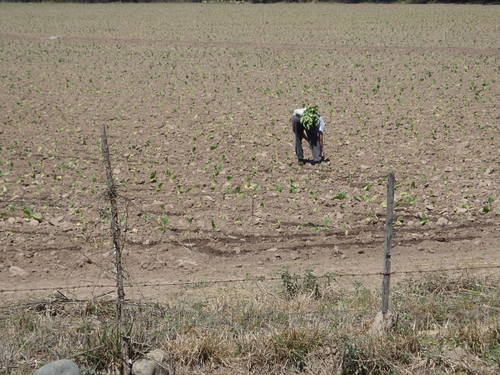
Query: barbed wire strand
{"points": [[332, 275]]}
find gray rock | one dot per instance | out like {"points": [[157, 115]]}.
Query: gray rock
{"points": [[65, 226], [157, 362], [56, 221], [62, 367], [33, 222], [185, 263], [17, 271], [442, 221]]}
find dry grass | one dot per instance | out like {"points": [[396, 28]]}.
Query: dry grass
{"points": [[446, 325]]}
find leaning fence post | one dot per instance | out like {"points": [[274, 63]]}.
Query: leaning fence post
{"points": [[116, 232], [387, 244]]}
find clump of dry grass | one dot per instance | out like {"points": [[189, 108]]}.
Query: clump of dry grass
{"points": [[202, 348], [446, 324]]}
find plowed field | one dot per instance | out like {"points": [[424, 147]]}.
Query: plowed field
{"points": [[197, 99]]}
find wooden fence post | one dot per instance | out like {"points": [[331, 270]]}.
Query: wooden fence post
{"points": [[116, 233], [387, 244]]}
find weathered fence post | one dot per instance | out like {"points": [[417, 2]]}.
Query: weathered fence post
{"points": [[116, 233], [387, 244]]}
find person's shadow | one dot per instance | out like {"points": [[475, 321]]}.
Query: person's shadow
{"points": [[312, 162]]}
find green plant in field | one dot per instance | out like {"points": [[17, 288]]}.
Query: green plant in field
{"points": [[310, 117], [423, 218], [183, 189], [290, 284], [367, 187], [327, 221], [294, 285], [218, 169], [66, 166], [467, 206], [163, 222], [153, 177], [251, 186], [434, 134], [170, 175], [310, 284], [313, 225], [340, 195], [407, 198], [32, 214], [365, 197]]}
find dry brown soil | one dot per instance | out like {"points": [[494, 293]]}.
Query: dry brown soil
{"points": [[197, 99]]}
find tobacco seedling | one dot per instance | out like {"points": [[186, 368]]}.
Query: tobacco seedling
{"points": [[424, 219], [32, 214], [153, 178], [310, 116], [163, 222], [327, 221], [340, 195], [487, 207], [364, 198]]}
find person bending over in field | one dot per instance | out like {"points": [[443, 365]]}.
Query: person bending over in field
{"points": [[309, 125]]}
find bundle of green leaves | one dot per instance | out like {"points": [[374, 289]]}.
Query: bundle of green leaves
{"points": [[310, 117]]}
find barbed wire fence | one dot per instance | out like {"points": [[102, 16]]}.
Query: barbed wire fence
{"points": [[206, 282], [120, 279]]}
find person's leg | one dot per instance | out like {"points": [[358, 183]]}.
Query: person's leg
{"points": [[297, 130], [312, 134]]}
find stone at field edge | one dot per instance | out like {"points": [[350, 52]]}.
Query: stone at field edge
{"points": [[157, 362], [62, 367]]}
